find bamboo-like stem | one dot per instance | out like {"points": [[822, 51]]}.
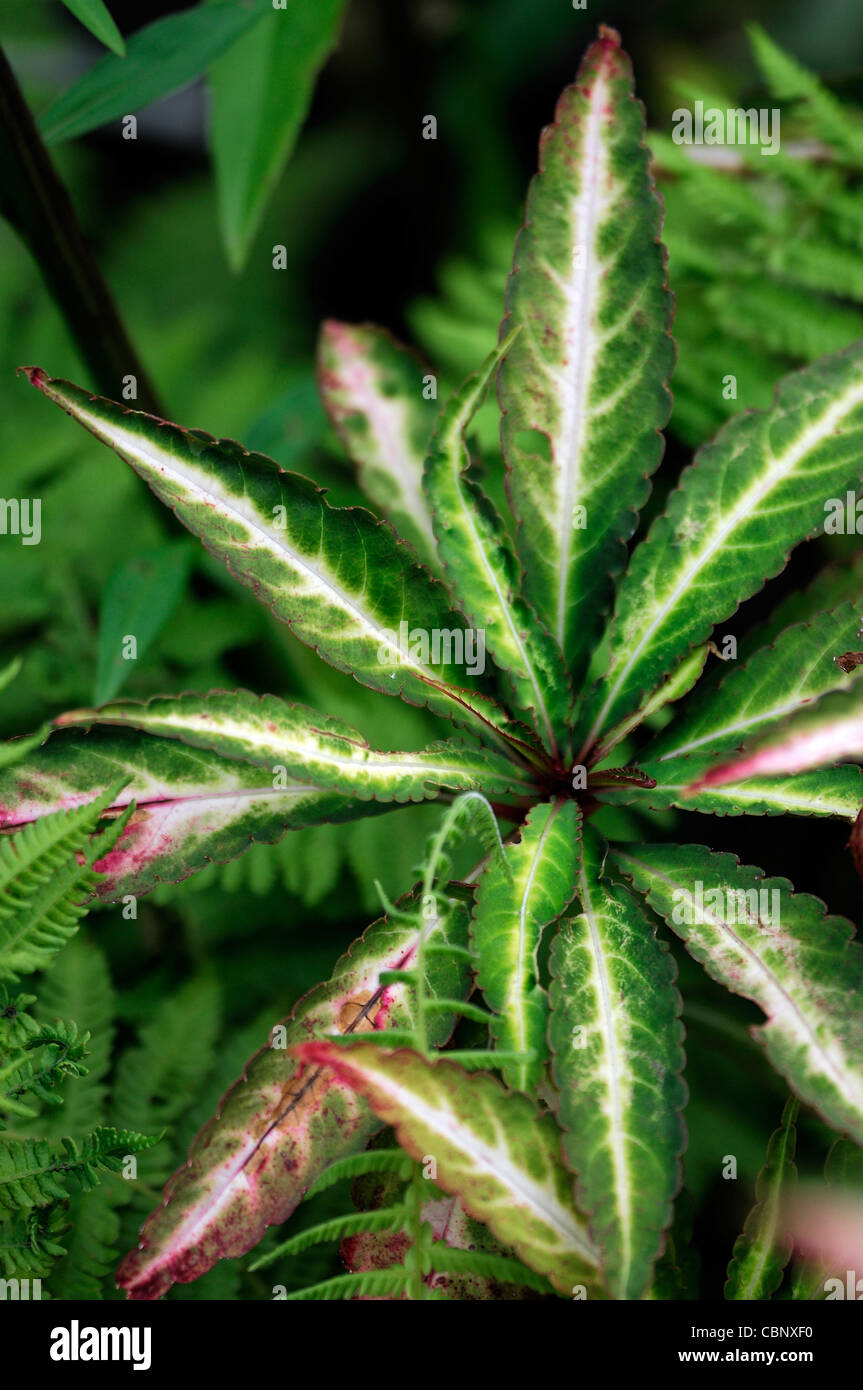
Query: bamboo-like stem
{"points": [[35, 202]]}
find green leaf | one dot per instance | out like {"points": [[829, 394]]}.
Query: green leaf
{"points": [[33, 1172], [615, 1035], [138, 600], [372, 388], [778, 948], [282, 1124], [312, 747], [493, 1150], [94, 15], [830, 730], [750, 496], [259, 98], [763, 1250], [191, 806], [78, 985], [835, 791], [337, 576], [794, 673], [583, 389], [798, 668], [789, 81], [160, 59], [517, 897], [91, 1247], [169, 1063], [46, 874], [483, 571]]}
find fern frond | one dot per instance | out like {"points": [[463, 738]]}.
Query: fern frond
{"points": [[46, 873], [339, 1228], [373, 1283], [78, 985], [788, 80], [445, 1259], [173, 1056], [372, 1161], [30, 1243], [33, 1172], [91, 1247], [30, 856]]}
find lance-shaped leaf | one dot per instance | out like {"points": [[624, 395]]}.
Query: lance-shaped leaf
{"points": [[493, 1150], [310, 747], [96, 17], [373, 390], [615, 1035], [338, 577], [763, 1249], [747, 500], [834, 791], [483, 571], [799, 667], [259, 97], [777, 948], [286, 1120], [832, 587], [520, 893], [830, 731], [583, 389], [160, 58], [192, 806]]}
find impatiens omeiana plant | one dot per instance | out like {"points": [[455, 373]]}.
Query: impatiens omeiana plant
{"points": [[559, 1173]]}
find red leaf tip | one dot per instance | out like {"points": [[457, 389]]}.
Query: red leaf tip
{"points": [[609, 36], [36, 376]]}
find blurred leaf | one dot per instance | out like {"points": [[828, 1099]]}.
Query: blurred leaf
{"points": [[9, 672], [159, 60], [260, 94], [94, 15], [139, 599]]}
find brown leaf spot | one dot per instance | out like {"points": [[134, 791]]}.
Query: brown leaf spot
{"points": [[849, 661]]}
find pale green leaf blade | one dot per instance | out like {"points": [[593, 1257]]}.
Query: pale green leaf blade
{"points": [[95, 16], [493, 1150], [796, 669], [584, 388], [778, 948], [373, 391], [800, 667], [260, 94], [831, 792], [282, 1124], [483, 571], [748, 499], [828, 732], [763, 1249], [338, 577], [303, 745], [517, 897], [137, 602], [192, 807], [160, 59], [615, 1034], [788, 81]]}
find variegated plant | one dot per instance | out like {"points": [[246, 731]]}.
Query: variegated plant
{"points": [[571, 1161]]}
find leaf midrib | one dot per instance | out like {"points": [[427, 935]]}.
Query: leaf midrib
{"points": [[748, 503]]}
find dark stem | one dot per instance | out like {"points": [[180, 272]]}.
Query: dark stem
{"points": [[35, 202]]}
